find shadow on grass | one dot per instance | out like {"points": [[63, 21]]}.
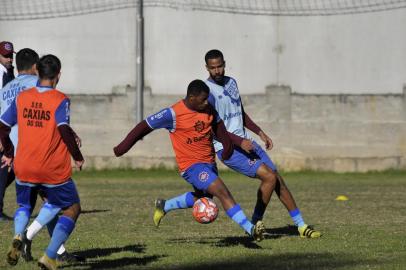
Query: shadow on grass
{"points": [[103, 252], [245, 241], [231, 241], [120, 263], [314, 261], [275, 233], [94, 211]]}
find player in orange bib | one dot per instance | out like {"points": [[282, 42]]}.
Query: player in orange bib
{"points": [[43, 157], [192, 124]]}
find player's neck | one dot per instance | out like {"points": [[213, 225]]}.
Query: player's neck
{"points": [[47, 83]]}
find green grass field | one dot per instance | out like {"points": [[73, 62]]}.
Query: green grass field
{"points": [[115, 230]]}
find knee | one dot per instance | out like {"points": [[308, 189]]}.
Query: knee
{"points": [[268, 176]]}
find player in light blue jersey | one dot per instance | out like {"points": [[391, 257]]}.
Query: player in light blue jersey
{"points": [[250, 160], [27, 78]]}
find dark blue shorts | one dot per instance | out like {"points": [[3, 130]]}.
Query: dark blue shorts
{"points": [[61, 196], [248, 164], [201, 175]]}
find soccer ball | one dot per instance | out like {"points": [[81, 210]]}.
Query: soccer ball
{"points": [[205, 210]]}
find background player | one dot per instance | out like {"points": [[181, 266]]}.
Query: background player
{"points": [[25, 60], [250, 160], [42, 160], [191, 123], [6, 63]]}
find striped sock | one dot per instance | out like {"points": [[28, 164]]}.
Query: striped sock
{"points": [[238, 216], [297, 217], [61, 233], [185, 200]]}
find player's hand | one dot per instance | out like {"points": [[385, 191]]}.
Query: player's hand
{"points": [[6, 161], [247, 145], [79, 164], [266, 139]]}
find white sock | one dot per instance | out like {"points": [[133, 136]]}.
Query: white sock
{"points": [[61, 250], [33, 229]]}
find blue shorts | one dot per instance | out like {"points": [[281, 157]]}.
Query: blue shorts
{"points": [[61, 196], [248, 164], [201, 175]]}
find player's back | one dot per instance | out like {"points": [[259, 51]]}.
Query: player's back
{"points": [[41, 156]]}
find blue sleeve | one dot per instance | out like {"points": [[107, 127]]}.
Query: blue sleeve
{"points": [[9, 117], [163, 119], [212, 100], [62, 114]]}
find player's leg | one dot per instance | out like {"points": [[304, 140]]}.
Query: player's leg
{"points": [[7, 176], [25, 194], [3, 184], [284, 195], [162, 207], [218, 189], [66, 197], [251, 165], [204, 177]]}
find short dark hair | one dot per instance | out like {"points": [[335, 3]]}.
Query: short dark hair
{"points": [[212, 54], [48, 67], [26, 58], [197, 87]]}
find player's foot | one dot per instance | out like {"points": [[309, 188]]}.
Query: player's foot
{"points": [[70, 258], [26, 248], [159, 211], [15, 251], [258, 231], [307, 231], [46, 263]]}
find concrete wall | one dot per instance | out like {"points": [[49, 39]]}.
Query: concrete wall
{"points": [[321, 132], [360, 53]]}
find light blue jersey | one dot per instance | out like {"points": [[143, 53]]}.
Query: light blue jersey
{"points": [[8, 94], [227, 101]]}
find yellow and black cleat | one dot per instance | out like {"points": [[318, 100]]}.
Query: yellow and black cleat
{"points": [[159, 212], [308, 232]]}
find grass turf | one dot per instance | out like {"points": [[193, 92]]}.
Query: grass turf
{"points": [[115, 230]]}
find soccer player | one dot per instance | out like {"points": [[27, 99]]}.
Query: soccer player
{"points": [[26, 60], [43, 157], [191, 123], [250, 160]]}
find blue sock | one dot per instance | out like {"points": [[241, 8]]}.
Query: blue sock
{"points": [[62, 230], [238, 216], [182, 201], [297, 217], [47, 213], [21, 219]]}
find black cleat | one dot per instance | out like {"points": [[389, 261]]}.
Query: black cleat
{"points": [[67, 257], [26, 248]]}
